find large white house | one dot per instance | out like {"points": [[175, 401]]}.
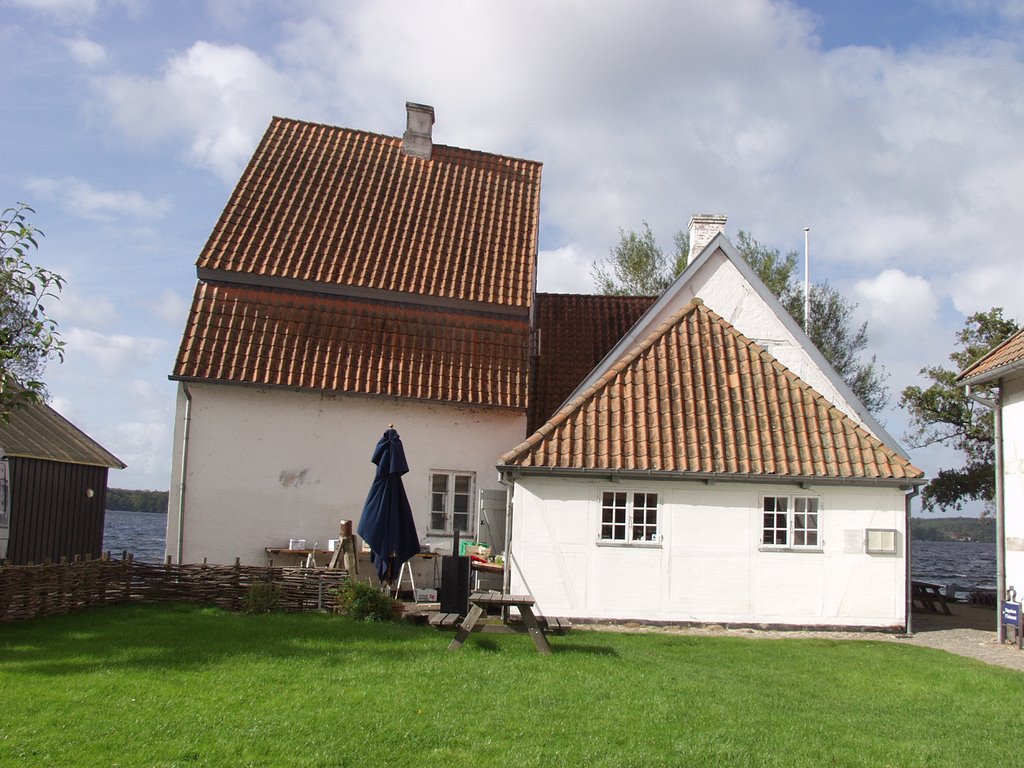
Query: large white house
{"points": [[1000, 377], [353, 281], [688, 457]]}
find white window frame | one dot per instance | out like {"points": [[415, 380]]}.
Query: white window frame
{"points": [[448, 501], [634, 532], [793, 525]]}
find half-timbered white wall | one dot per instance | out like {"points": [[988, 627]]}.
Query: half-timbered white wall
{"points": [[265, 466], [710, 566], [1013, 482]]}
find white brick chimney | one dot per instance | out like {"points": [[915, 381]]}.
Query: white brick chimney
{"points": [[417, 139], [703, 228]]}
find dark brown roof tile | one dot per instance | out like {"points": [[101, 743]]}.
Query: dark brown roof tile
{"points": [[300, 340]]}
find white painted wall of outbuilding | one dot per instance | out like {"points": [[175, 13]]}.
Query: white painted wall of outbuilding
{"points": [[710, 566], [1013, 482]]}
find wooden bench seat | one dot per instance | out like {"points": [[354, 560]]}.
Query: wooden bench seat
{"points": [[551, 624], [445, 620]]}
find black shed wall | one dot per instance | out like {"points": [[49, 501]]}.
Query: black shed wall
{"points": [[52, 515]]}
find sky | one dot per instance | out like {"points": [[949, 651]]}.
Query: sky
{"points": [[892, 130]]}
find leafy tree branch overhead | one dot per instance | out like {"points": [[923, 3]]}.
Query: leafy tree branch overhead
{"points": [[637, 266], [28, 336], [941, 413]]}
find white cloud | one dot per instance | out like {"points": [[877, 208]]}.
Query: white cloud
{"points": [[114, 354], [985, 283], [171, 308], [564, 270], [64, 9], [220, 98], [896, 305], [85, 200], [74, 309], [146, 448], [86, 52]]}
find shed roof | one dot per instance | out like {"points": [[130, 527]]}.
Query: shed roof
{"points": [[697, 397], [1008, 357], [272, 337], [37, 431], [342, 207]]}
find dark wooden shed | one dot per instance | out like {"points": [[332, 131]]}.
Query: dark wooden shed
{"points": [[53, 488]]}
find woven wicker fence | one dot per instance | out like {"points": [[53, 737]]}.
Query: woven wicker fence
{"points": [[28, 591]]}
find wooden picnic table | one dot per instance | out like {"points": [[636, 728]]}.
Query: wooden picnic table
{"points": [[929, 596], [481, 601], [308, 556]]}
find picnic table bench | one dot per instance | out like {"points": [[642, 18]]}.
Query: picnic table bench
{"points": [[929, 596], [538, 626]]}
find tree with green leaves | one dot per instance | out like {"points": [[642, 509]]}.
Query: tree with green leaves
{"points": [[637, 266], [28, 336], [942, 414]]}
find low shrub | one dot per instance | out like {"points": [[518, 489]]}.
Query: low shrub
{"points": [[362, 601], [263, 597]]}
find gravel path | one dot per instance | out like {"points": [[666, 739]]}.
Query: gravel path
{"points": [[969, 632]]}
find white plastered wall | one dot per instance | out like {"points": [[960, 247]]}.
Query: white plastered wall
{"points": [[265, 466], [1013, 482], [709, 567], [721, 286]]}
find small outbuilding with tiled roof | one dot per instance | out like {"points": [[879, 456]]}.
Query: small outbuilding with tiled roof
{"points": [[997, 379], [53, 487], [692, 477]]}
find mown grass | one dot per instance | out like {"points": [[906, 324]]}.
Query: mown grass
{"points": [[189, 686]]}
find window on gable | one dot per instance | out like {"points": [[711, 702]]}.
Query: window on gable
{"points": [[451, 502], [791, 522], [629, 516]]}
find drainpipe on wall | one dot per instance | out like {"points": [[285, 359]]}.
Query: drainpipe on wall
{"points": [[909, 588], [184, 467], [996, 404]]}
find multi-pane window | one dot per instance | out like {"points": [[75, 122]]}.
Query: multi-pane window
{"points": [[451, 502], [629, 516], [790, 521]]}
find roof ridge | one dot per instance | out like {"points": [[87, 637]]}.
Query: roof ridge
{"points": [[398, 139]]}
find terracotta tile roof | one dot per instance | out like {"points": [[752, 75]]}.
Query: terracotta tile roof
{"points": [[698, 397], [575, 332], [248, 335], [1009, 353], [39, 432], [345, 207]]}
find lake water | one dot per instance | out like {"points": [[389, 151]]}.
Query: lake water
{"points": [[968, 564], [143, 534]]}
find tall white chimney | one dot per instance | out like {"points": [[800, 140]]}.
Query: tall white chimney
{"points": [[417, 139], [703, 228]]}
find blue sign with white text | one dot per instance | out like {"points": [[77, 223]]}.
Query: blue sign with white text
{"points": [[1011, 614]]}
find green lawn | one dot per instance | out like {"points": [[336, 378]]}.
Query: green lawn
{"points": [[185, 686]]}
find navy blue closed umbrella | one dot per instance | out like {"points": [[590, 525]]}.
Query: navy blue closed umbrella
{"points": [[386, 524]]}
